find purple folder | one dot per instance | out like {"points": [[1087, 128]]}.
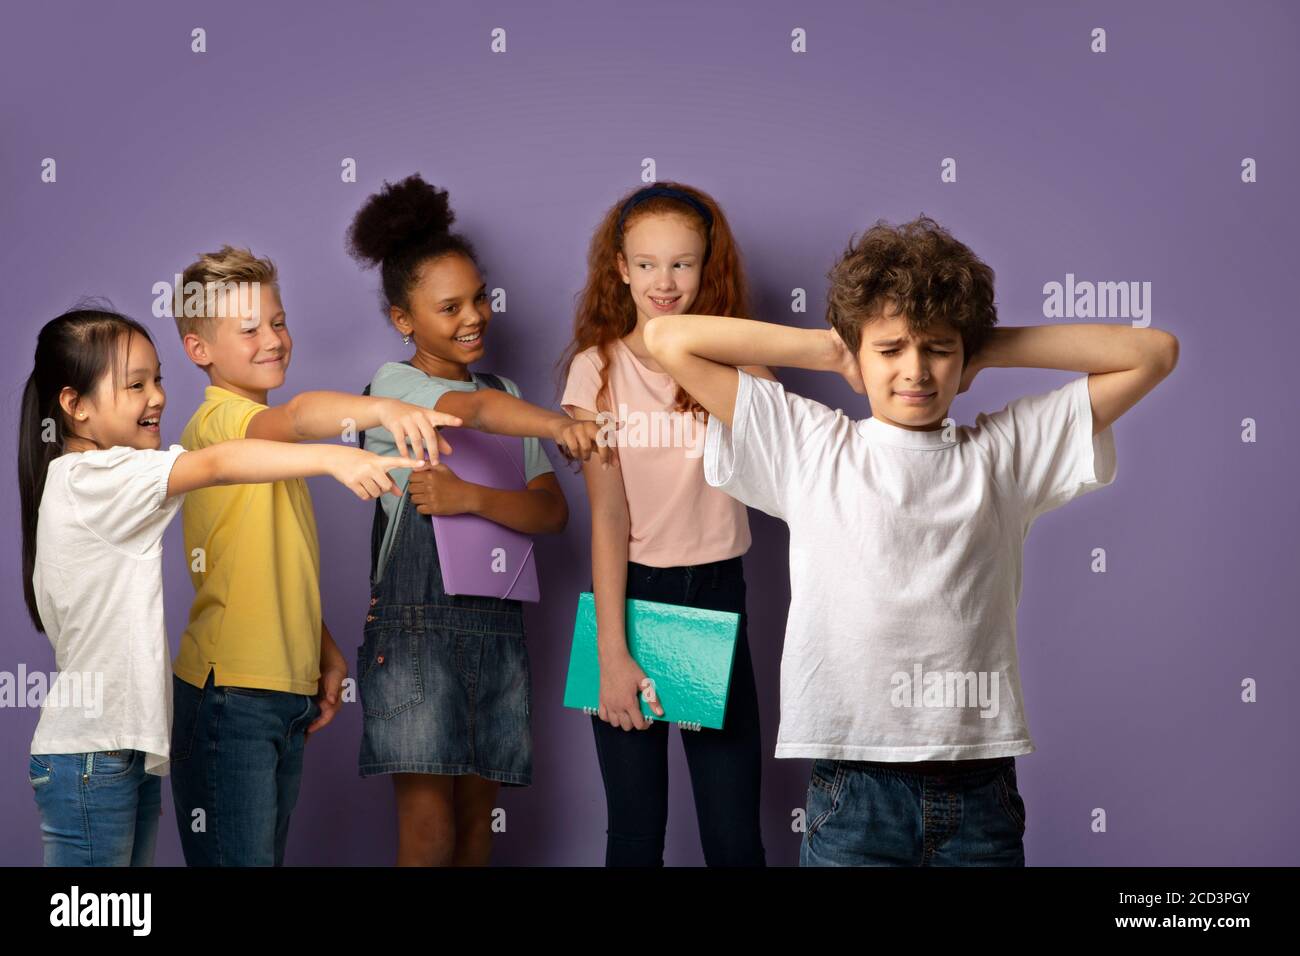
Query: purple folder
{"points": [[479, 556]]}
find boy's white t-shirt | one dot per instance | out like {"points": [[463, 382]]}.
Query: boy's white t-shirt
{"points": [[905, 563], [99, 590]]}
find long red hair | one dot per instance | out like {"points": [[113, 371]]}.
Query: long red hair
{"points": [[606, 311]]}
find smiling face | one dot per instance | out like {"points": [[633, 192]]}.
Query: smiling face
{"points": [[448, 318], [126, 406], [244, 352], [911, 379], [661, 262]]}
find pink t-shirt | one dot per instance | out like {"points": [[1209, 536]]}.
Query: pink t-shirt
{"points": [[677, 518]]}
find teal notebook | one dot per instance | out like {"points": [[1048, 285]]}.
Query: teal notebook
{"points": [[686, 651]]}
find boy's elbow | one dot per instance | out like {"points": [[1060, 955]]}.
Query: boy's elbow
{"points": [[293, 410], [1168, 351], [651, 334], [658, 335]]}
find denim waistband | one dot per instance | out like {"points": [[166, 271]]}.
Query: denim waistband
{"points": [[714, 569], [932, 768], [465, 616]]}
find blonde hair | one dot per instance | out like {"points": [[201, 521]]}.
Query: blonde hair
{"points": [[215, 273]]}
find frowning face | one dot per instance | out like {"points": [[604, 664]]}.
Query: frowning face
{"points": [[911, 378]]}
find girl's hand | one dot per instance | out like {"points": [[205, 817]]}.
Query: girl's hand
{"points": [[365, 472], [415, 429], [578, 439], [438, 491], [621, 684], [844, 362]]}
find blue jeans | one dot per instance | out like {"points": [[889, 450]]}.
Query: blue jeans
{"points": [[725, 765], [236, 769], [866, 815], [97, 809]]}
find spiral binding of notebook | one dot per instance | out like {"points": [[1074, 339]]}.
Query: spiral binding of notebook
{"points": [[683, 724]]}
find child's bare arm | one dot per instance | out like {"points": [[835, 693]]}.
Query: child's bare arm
{"points": [[621, 677], [701, 352], [320, 416], [1125, 363], [498, 412], [252, 461], [538, 509], [333, 671]]}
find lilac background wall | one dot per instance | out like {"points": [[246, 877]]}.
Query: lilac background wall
{"points": [[1122, 166]]}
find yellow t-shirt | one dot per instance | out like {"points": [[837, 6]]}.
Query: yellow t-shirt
{"points": [[256, 617]]}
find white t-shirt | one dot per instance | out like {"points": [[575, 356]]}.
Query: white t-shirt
{"points": [[905, 563], [99, 590]]}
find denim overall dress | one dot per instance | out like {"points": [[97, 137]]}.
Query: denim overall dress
{"points": [[443, 679]]}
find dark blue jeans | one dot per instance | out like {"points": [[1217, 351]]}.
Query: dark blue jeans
{"points": [[236, 768], [864, 814], [725, 765]]}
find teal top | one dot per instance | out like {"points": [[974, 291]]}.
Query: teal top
{"points": [[409, 384]]}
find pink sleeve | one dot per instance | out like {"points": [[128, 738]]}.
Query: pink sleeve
{"points": [[583, 383]]}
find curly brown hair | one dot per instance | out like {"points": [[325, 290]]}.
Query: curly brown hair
{"points": [[923, 271], [606, 312]]}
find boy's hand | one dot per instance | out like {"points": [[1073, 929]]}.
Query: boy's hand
{"points": [[438, 491], [415, 429], [578, 439], [365, 472], [844, 362], [329, 689]]}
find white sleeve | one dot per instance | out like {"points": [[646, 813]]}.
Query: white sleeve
{"points": [[1046, 445], [120, 495], [764, 458]]}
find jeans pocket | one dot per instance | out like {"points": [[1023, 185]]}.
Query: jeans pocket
{"points": [[390, 678], [112, 763], [823, 798], [1009, 797], [39, 771], [825, 774], [187, 701]]}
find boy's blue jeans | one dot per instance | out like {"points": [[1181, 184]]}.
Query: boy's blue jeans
{"points": [[236, 769], [863, 814], [97, 809]]}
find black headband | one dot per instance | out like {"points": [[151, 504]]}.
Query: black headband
{"points": [[669, 192]]}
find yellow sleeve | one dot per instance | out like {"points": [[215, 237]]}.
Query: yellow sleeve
{"points": [[223, 420]]}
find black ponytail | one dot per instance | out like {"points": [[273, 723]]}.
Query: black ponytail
{"points": [[400, 228], [75, 350]]}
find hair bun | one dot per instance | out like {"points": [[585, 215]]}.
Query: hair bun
{"points": [[400, 214]]}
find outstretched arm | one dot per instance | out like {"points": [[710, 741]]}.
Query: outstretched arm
{"points": [[321, 416], [251, 461], [1124, 363], [498, 412], [701, 352]]}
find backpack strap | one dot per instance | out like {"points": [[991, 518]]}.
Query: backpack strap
{"points": [[492, 381], [361, 434]]}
